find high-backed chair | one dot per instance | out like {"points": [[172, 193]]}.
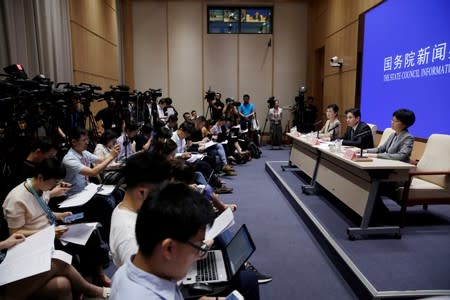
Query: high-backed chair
{"points": [[386, 133], [430, 182], [374, 129]]}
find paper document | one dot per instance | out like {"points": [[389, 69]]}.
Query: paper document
{"points": [[209, 144], [64, 256], [224, 221], [105, 189], [85, 195], [31, 257], [79, 233], [195, 157]]}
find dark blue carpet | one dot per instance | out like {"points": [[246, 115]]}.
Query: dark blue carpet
{"points": [[418, 261], [285, 247]]}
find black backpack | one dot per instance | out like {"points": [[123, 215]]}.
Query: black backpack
{"points": [[254, 150]]}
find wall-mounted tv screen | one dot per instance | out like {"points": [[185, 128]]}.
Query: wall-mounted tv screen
{"points": [[406, 64], [256, 20]]}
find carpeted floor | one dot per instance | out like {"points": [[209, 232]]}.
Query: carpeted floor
{"points": [[419, 261], [285, 247]]}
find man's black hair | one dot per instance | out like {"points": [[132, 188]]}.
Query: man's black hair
{"points": [[246, 95], [354, 111], [176, 211], [146, 129], [76, 133], [406, 116], [50, 168], [186, 127], [144, 167], [45, 144], [165, 147], [182, 172], [131, 126], [172, 118], [201, 119]]}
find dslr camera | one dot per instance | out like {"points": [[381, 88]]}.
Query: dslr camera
{"points": [[232, 102]]}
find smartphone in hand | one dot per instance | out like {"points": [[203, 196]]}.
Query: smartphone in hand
{"points": [[235, 295], [71, 218]]}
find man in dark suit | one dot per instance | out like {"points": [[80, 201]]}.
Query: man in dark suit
{"points": [[358, 133]]}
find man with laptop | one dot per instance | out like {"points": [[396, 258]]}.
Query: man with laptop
{"points": [[170, 233]]}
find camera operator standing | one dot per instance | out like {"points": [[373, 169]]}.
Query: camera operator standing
{"points": [[110, 117], [231, 113], [217, 108]]}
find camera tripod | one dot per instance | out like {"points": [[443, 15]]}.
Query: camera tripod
{"points": [[265, 124], [208, 110]]}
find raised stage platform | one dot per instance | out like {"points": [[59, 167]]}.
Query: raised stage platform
{"points": [[415, 266]]}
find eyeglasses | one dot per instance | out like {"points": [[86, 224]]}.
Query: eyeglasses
{"points": [[202, 250]]}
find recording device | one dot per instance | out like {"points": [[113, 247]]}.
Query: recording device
{"points": [[74, 217], [232, 102], [336, 61]]}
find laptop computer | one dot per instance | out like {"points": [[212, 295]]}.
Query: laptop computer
{"points": [[222, 265]]}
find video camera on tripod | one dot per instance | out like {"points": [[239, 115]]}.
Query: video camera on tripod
{"points": [[210, 95]]}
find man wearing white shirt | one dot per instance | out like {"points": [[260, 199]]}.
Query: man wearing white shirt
{"points": [[143, 173]]}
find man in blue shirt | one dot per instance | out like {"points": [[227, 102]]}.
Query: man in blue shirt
{"points": [[170, 233], [247, 114]]}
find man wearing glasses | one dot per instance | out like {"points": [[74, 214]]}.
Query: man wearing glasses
{"points": [[170, 233]]}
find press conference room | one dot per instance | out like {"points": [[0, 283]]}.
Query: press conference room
{"points": [[304, 143]]}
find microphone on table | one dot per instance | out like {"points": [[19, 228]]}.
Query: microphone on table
{"points": [[364, 133], [334, 131]]}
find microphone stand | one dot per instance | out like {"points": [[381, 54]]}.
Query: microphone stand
{"points": [[361, 135]]}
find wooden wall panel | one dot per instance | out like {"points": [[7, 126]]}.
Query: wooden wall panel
{"points": [[111, 3], [92, 54], [340, 13], [96, 16], [127, 43], [339, 89], [365, 5], [94, 44], [104, 83], [344, 45]]}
